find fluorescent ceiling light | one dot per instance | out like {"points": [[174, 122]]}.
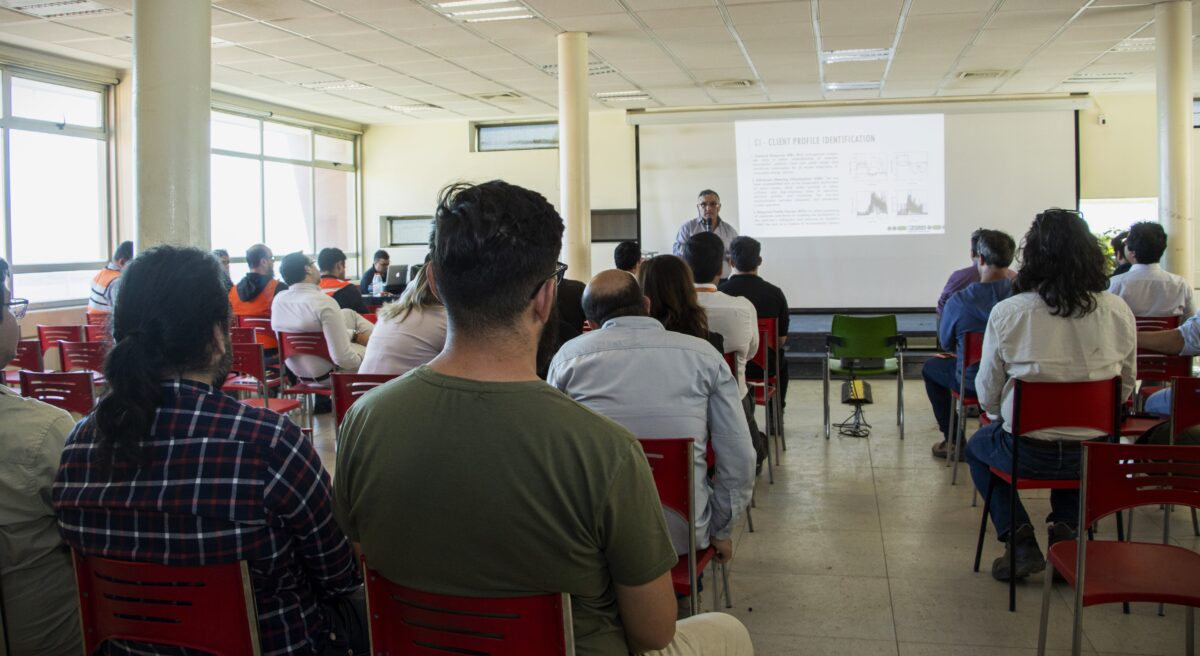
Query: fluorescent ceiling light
{"points": [[498, 18], [1139, 44], [493, 10], [411, 108], [852, 86], [1093, 78], [335, 85], [620, 94], [856, 55], [60, 8], [467, 3]]}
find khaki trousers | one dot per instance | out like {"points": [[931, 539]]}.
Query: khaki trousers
{"points": [[708, 634]]}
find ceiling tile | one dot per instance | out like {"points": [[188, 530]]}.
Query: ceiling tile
{"points": [[329, 23], [705, 16], [112, 24], [327, 60], [269, 10], [292, 47], [268, 66], [854, 71], [924, 7], [105, 46], [392, 18], [44, 30], [595, 24], [249, 32], [795, 13]]}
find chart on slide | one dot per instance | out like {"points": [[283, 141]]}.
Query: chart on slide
{"points": [[846, 176]]}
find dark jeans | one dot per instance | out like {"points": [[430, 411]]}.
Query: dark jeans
{"points": [[940, 377], [991, 446], [347, 618], [757, 438]]}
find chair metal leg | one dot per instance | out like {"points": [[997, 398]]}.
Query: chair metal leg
{"points": [[1121, 538], [1047, 585], [983, 522], [716, 593], [825, 382], [953, 428], [750, 518], [1012, 551], [1195, 524], [1189, 630], [960, 440], [770, 461], [900, 396], [725, 584]]}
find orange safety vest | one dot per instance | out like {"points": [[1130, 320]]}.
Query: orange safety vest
{"points": [[333, 285], [259, 306], [98, 301]]}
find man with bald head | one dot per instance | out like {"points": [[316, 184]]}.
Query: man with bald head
{"points": [[659, 383]]}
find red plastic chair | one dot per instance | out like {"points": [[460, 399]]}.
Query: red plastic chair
{"points": [[209, 608], [263, 332], [972, 355], [97, 319], [1094, 404], [1150, 367], [371, 316], [97, 333], [239, 335], [249, 363], [1185, 414], [72, 391], [347, 388], [766, 389], [28, 357], [415, 623], [1117, 477], [84, 356], [313, 343], [673, 469], [50, 336]]}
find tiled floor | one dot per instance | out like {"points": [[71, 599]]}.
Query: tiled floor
{"points": [[862, 547]]}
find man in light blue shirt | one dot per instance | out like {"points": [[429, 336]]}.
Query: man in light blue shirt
{"points": [[660, 384], [708, 219], [1184, 340]]}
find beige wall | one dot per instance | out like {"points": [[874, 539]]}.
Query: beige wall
{"points": [[405, 166], [1119, 159]]}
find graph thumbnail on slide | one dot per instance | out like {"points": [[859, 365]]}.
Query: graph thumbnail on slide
{"points": [[910, 166], [910, 203], [871, 203], [871, 166]]}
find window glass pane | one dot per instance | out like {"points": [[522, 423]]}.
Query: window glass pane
{"points": [[330, 149], [236, 133], [288, 195], [58, 198], [53, 286], [335, 209], [56, 103], [1117, 214], [517, 137], [236, 203], [287, 141]]}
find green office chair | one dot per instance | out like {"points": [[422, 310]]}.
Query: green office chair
{"points": [[865, 346]]}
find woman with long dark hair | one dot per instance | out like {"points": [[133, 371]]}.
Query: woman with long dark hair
{"points": [[1060, 325], [667, 281]]}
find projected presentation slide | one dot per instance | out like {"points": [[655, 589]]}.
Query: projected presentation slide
{"points": [[849, 176]]}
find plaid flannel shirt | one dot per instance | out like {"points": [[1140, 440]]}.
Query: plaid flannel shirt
{"points": [[224, 482]]}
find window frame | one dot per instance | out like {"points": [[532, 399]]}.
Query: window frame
{"points": [[103, 133], [476, 127]]}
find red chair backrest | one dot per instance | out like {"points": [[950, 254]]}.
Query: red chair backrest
{"points": [[248, 360], [98, 319], [415, 623], [314, 344], [209, 608], [72, 391], [348, 387], [972, 349], [1091, 404], [240, 335], [49, 336], [1185, 405], [29, 355], [97, 333], [263, 332], [1121, 476], [1157, 366], [768, 338], [672, 466], [87, 356], [371, 316], [1157, 323], [731, 362]]}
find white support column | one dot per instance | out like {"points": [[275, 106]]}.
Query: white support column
{"points": [[1173, 28], [172, 83], [575, 204]]}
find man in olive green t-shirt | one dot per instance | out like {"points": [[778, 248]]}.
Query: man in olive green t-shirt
{"points": [[472, 477]]}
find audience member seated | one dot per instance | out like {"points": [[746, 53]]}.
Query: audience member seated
{"points": [[566, 323], [627, 256], [960, 279], [304, 308], [658, 383], [169, 470], [745, 254], [1118, 246], [550, 497], [1060, 325], [667, 281], [735, 318], [1146, 287], [106, 282], [1184, 340], [966, 312], [409, 332], [222, 256], [332, 262], [37, 579], [376, 274]]}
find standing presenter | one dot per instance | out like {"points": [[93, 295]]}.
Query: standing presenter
{"points": [[708, 219]]}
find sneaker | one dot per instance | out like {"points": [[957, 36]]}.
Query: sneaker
{"points": [[1057, 532], [943, 450], [1029, 556]]}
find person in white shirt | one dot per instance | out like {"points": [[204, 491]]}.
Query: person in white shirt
{"points": [[732, 316], [1059, 326], [304, 307], [409, 332], [1146, 287]]}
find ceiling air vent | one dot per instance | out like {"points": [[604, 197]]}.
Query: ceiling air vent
{"points": [[500, 96], [982, 74], [57, 8], [731, 84]]}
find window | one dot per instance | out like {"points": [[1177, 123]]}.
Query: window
{"points": [[55, 223], [293, 188], [515, 136], [1112, 215]]}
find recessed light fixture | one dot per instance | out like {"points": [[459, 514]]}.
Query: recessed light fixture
{"points": [[856, 55], [411, 108], [467, 3], [493, 10], [731, 84], [853, 86], [1138, 44], [594, 68], [499, 18], [335, 85], [59, 8], [619, 94], [1094, 78]]}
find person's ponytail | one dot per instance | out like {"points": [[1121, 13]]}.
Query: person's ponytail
{"points": [[125, 414]]}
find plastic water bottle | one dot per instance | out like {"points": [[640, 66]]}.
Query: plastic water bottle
{"points": [[377, 286]]}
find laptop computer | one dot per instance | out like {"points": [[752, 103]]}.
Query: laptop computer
{"points": [[397, 278]]}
